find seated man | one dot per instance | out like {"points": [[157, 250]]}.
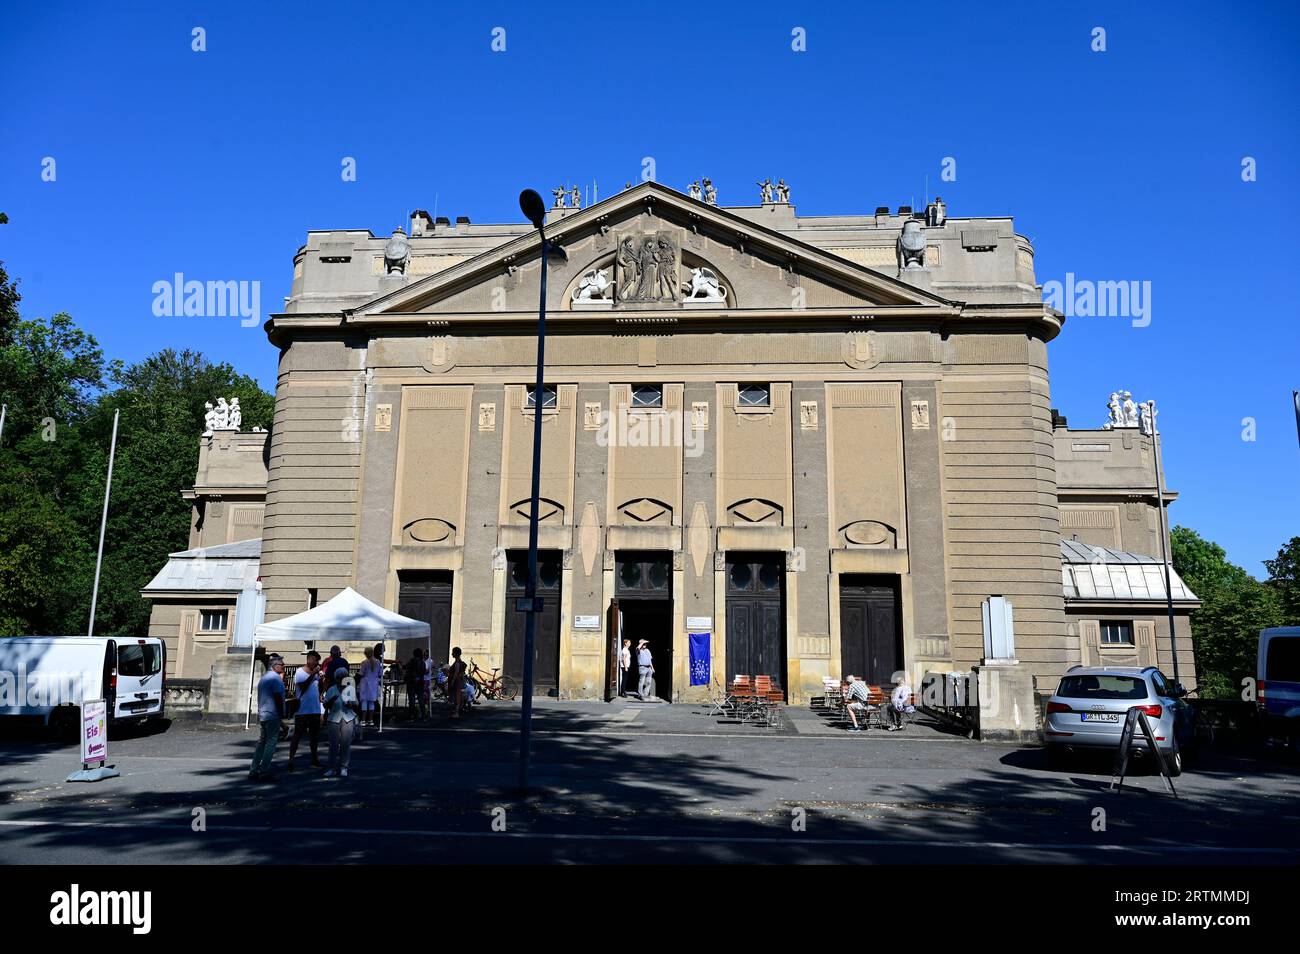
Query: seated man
{"points": [[900, 701], [856, 695]]}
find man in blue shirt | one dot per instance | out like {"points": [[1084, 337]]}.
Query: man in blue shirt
{"points": [[645, 665], [270, 713]]}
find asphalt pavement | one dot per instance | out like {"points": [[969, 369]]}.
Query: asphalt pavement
{"points": [[635, 782]]}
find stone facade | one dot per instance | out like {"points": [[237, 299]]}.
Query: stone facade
{"points": [[199, 596], [758, 425], [1108, 503]]}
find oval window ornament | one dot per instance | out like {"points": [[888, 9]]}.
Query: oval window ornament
{"points": [[429, 530]]}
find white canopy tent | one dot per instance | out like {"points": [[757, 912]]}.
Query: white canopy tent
{"points": [[349, 616]]}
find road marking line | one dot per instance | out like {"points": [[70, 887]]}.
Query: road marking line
{"points": [[183, 827]]}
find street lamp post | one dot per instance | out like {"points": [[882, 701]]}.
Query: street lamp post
{"points": [[103, 526], [535, 211], [1295, 399], [1165, 542]]}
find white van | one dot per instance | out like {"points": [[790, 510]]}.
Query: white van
{"points": [[1278, 682], [48, 677]]}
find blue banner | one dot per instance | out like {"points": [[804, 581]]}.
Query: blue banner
{"points": [[700, 662]]}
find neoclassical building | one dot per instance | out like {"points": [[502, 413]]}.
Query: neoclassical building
{"points": [[823, 441]]}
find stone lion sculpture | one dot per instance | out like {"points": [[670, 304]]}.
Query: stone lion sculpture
{"points": [[593, 286], [705, 286]]}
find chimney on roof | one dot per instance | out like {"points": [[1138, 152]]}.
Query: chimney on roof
{"points": [[421, 223], [462, 220]]}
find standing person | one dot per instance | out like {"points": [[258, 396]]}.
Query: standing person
{"points": [[383, 695], [456, 682], [270, 713], [624, 666], [646, 666], [414, 675], [335, 661], [307, 721], [341, 717], [370, 675]]}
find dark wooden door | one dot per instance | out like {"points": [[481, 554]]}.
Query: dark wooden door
{"points": [[426, 595], [871, 641], [756, 616], [546, 641]]}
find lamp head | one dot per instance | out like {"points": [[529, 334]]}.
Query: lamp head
{"points": [[533, 207]]}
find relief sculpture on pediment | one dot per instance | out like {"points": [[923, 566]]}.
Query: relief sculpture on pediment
{"points": [[648, 269]]}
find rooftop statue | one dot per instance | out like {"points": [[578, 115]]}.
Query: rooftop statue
{"points": [[224, 417], [782, 192], [710, 192], [765, 191], [396, 253], [1123, 411], [911, 245]]}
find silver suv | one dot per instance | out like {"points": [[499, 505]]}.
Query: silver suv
{"points": [[1088, 708]]}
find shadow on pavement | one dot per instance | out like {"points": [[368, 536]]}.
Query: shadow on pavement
{"points": [[431, 796]]}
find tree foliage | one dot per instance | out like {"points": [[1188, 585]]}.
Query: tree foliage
{"points": [[54, 454], [1284, 577], [1234, 608]]}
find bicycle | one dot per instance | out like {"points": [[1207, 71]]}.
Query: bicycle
{"points": [[494, 686]]}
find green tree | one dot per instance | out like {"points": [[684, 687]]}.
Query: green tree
{"points": [[160, 400], [54, 462], [48, 368], [41, 554], [1284, 577], [49, 371], [1234, 608]]}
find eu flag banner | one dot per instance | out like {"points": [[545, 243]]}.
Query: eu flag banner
{"points": [[700, 671]]}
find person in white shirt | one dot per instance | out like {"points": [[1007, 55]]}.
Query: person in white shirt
{"points": [[624, 666], [307, 722], [370, 675], [900, 701]]}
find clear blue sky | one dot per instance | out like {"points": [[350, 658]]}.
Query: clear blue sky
{"points": [[1122, 165]]}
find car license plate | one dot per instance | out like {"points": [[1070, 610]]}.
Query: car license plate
{"points": [[1101, 717]]}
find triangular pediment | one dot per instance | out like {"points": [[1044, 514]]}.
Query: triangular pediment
{"points": [[651, 249]]}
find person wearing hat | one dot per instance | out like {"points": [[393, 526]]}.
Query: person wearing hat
{"points": [[341, 720], [646, 667], [270, 714]]}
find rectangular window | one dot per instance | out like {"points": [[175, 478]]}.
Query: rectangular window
{"points": [[647, 395], [1282, 662], [1116, 634], [1102, 687], [213, 621], [548, 396], [137, 660], [755, 395]]}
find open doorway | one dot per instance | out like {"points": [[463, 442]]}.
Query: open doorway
{"points": [[643, 588], [651, 620]]}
